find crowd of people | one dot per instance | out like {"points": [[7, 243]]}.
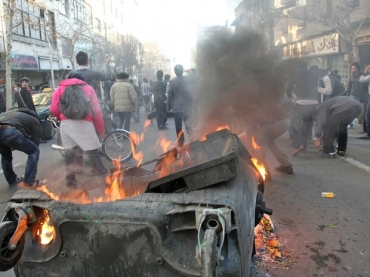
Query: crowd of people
{"points": [[318, 98], [21, 128]]}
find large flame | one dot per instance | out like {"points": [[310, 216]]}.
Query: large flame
{"points": [[260, 168], [46, 231], [169, 163]]}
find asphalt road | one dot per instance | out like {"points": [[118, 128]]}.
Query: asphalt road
{"points": [[323, 236]]}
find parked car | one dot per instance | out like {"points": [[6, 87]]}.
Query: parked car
{"points": [[41, 100]]}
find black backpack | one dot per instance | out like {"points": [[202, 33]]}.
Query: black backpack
{"points": [[73, 103]]}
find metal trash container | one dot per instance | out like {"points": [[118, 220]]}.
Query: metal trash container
{"points": [[197, 220]]}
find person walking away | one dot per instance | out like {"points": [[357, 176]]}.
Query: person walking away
{"points": [[136, 113], [20, 130], [179, 101], [331, 120], [159, 92], [124, 100], [92, 77], [23, 97], [328, 85], [304, 85], [145, 92], [79, 132], [365, 79]]}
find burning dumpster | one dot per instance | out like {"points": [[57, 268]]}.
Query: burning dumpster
{"points": [[194, 215]]}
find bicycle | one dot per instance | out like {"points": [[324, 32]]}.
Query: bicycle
{"points": [[115, 146]]}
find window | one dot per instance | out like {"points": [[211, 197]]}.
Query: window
{"points": [[82, 11], [66, 48], [97, 25], [29, 20], [64, 7]]}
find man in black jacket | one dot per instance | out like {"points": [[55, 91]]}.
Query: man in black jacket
{"points": [[159, 92], [23, 97], [20, 130], [180, 102], [92, 77]]}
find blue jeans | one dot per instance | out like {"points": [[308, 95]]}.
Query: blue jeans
{"points": [[124, 117], [14, 139]]}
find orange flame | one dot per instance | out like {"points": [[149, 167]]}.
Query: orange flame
{"points": [[260, 168], [254, 144], [46, 234], [223, 127]]}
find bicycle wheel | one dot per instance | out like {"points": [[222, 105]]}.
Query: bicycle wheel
{"points": [[117, 146]]}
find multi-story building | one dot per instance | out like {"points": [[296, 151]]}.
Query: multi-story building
{"points": [[328, 33], [46, 35]]}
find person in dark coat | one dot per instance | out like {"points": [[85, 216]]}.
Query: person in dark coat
{"points": [[331, 120], [20, 130], [92, 77], [179, 101], [159, 92], [23, 97]]}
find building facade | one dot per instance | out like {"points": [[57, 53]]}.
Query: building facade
{"points": [[46, 35], [328, 33]]}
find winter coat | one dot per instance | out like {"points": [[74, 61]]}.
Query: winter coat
{"points": [[332, 107], [123, 96], [92, 77], [24, 99], [95, 116], [355, 87], [179, 97], [25, 121], [330, 86]]}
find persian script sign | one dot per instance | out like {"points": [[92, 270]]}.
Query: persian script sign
{"points": [[23, 62], [324, 45]]}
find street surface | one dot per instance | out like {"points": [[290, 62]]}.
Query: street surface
{"points": [[323, 236]]}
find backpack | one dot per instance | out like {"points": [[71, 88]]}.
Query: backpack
{"points": [[73, 103]]}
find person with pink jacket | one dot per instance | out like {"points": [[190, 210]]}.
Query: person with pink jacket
{"points": [[79, 133]]}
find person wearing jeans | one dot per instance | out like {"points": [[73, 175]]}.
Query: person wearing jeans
{"points": [[20, 130], [124, 99], [124, 119]]}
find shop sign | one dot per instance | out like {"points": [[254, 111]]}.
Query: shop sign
{"points": [[363, 40], [23, 62], [321, 46]]}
